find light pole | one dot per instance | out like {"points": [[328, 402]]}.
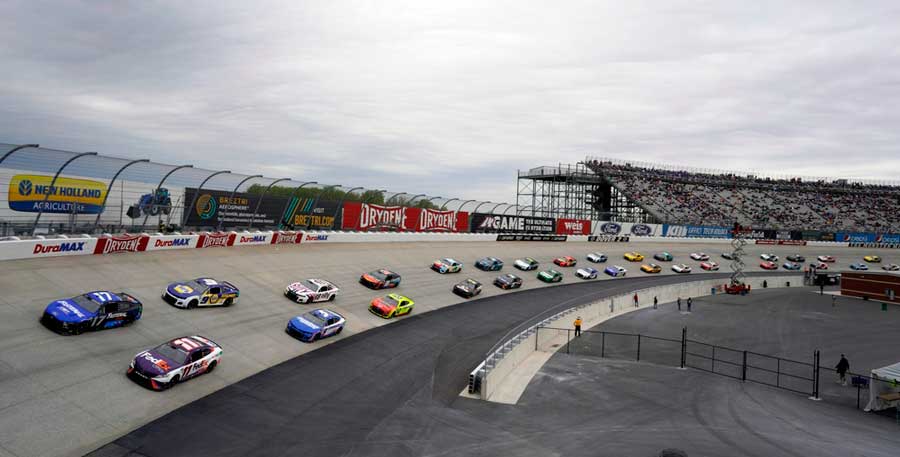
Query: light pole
{"points": [[231, 197], [109, 189], [395, 195], [510, 207], [495, 207], [18, 148], [261, 197], [289, 202], [340, 204], [444, 206], [53, 185], [460, 207], [186, 211], [410, 200], [375, 193], [159, 186], [316, 202], [480, 205]]}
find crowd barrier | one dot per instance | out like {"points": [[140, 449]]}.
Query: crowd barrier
{"points": [[63, 245]]}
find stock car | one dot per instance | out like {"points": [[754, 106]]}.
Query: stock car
{"points": [[446, 265], [95, 310], [392, 305], [891, 267], [768, 265], [201, 292], [826, 258], [565, 261], [313, 290], [526, 264], [633, 256], [682, 268], [508, 281], [790, 266], [587, 273], [769, 257], [315, 325], [468, 288], [859, 266], [699, 256], [710, 266], [489, 264], [174, 361], [728, 256], [651, 268], [819, 265], [596, 257], [872, 258], [615, 271], [380, 279], [663, 256], [796, 258], [550, 275]]}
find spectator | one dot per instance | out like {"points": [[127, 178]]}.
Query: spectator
{"points": [[654, 302], [689, 304], [578, 326], [635, 300], [842, 367], [679, 303]]}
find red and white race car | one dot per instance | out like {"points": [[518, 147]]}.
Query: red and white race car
{"points": [[699, 256], [768, 265], [311, 290], [565, 261], [826, 258], [174, 361], [820, 266], [710, 266]]}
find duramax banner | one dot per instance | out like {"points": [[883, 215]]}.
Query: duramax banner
{"points": [[67, 195]]}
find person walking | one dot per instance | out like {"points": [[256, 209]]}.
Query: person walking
{"points": [[655, 302], [635, 300], [578, 326], [679, 303], [690, 302], [842, 367], [821, 288]]}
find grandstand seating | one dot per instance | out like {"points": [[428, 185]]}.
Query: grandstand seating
{"points": [[698, 198]]}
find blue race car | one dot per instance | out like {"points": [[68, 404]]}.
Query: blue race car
{"points": [[92, 311], [314, 325], [615, 271], [859, 266], [489, 264]]}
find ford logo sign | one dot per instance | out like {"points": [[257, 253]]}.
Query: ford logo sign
{"points": [[610, 228], [641, 230]]}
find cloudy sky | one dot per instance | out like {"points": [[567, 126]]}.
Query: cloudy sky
{"points": [[451, 97]]}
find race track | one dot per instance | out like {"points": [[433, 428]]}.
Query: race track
{"points": [[68, 395]]}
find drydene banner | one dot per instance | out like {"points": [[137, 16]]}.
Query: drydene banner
{"points": [[67, 195], [496, 223], [371, 217], [121, 243]]}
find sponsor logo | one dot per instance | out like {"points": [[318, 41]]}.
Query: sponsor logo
{"points": [[496, 223], [641, 230], [381, 216], [437, 221], [253, 239], [887, 238], [531, 238], [69, 308], [316, 238], [287, 238], [206, 206], [610, 228], [77, 246], [67, 195], [177, 242], [214, 240], [121, 244], [608, 238], [676, 230]]}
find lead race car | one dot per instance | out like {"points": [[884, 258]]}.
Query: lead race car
{"points": [[95, 310], [312, 290], [315, 325], [201, 292], [177, 360]]}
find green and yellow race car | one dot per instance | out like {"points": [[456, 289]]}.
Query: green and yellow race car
{"points": [[391, 305], [550, 276]]}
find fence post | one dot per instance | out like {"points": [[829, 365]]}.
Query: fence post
{"points": [[713, 368], [639, 348], [816, 356], [537, 332], [602, 344], [778, 372], [744, 371], [567, 341], [683, 346]]}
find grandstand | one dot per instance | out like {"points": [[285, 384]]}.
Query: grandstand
{"points": [[710, 197]]}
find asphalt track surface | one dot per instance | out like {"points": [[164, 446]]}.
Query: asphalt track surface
{"points": [[68, 395]]}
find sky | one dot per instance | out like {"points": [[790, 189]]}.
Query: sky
{"points": [[452, 97]]}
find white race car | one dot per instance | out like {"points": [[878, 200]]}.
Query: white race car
{"points": [[891, 267], [596, 257], [826, 258], [699, 256], [311, 290], [769, 257], [587, 273], [682, 268], [174, 361]]}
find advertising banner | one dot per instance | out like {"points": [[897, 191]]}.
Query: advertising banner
{"points": [[310, 214], [608, 238], [608, 228], [61, 247], [122, 243], [68, 195], [828, 236], [891, 238], [250, 239], [495, 223], [782, 242], [876, 245], [532, 237], [573, 227], [643, 229], [856, 237], [171, 242], [216, 240], [369, 217], [287, 237], [315, 237], [432, 220], [696, 231]]}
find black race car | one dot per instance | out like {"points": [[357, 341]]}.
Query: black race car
{"points": [[95, 310], [796, 258], [489, 264], [508, 281], [468, 288]]}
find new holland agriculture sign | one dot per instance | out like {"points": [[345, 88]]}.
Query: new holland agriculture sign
{"points": [[68, 195]]}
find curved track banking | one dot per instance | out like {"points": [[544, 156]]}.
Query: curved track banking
{"points": [[68, 395]]}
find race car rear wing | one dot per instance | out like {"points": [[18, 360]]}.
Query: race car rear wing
{"points": [[228, 284]]}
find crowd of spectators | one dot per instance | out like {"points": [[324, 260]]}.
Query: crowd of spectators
{"points": [[699, 198]]}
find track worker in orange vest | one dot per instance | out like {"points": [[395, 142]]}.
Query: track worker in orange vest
{"points": [[578, 326]]}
